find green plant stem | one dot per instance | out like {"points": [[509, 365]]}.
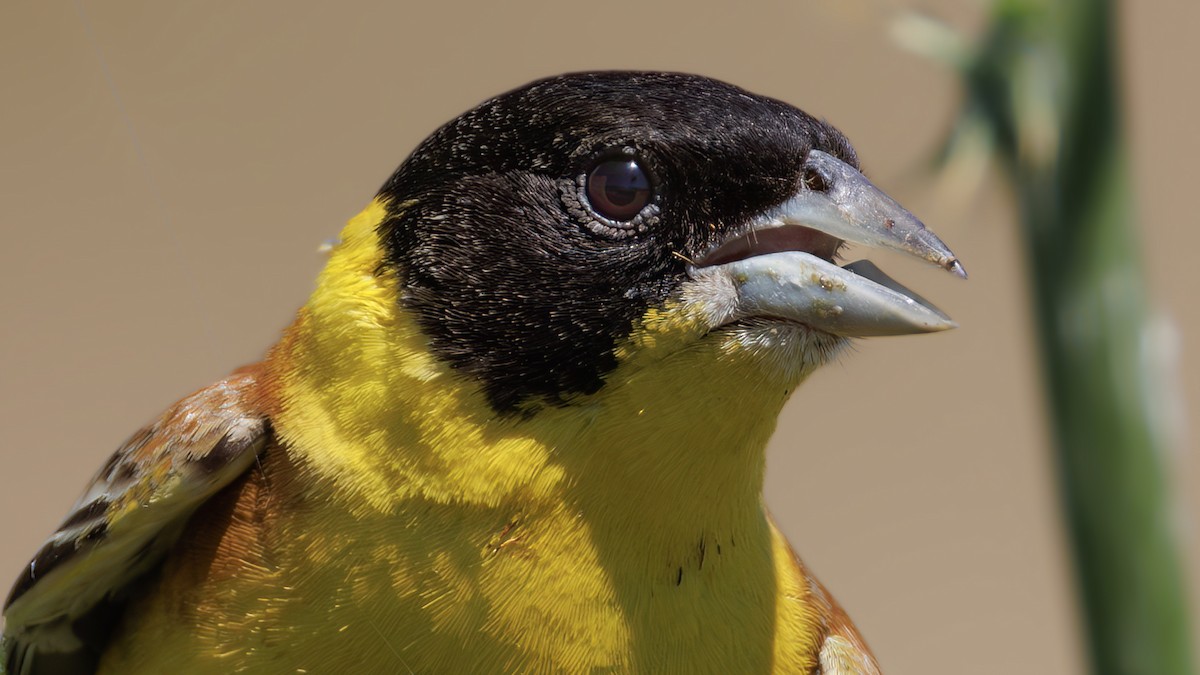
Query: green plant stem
{"points": [[1073, 183]]}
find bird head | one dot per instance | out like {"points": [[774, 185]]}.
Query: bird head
{"points": [[592, 224]]}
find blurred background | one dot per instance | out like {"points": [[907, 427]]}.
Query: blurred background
{"points": [[168, 171]]}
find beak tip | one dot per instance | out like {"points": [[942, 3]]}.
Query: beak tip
{"points": [[956, 268]]}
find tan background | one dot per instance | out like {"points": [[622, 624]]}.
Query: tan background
{"points": [[167, 171]]}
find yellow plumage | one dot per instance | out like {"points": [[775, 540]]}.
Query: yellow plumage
{"points": [[491, 509]]}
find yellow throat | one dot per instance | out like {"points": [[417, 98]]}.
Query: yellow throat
{"points": [[637, 509]]}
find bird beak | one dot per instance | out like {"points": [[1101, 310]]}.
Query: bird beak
{"points": [[782, 267]]}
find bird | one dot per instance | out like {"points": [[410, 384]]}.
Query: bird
{"points": [[520, 424]]}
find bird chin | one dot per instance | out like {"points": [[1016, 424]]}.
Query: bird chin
{"points": [[784, 347]]}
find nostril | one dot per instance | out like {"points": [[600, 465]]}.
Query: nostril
{"points": [[813, 180]]}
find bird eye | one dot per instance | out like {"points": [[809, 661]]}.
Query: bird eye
{"points": [[618, 189]]}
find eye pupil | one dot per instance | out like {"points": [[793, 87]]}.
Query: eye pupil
{"points": [[618, 189]]}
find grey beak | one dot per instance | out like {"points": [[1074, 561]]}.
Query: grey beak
{"points": [[858, 299]]}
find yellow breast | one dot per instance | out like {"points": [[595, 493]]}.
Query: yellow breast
{"points": [[400, 525]]}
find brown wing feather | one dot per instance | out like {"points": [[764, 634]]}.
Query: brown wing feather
{"points": [[132, 512], [843, 651]]}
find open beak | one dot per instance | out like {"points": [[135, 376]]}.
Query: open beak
{"points": [[783, 266]]}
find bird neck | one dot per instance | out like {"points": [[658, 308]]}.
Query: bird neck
{"points": [[669, 453]]}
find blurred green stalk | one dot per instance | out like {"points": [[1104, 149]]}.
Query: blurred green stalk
{"points": [[1042, 88]]}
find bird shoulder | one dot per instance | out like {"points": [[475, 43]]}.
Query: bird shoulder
{"points": [[133, 510]]}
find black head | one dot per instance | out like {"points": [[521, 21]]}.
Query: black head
{"points": [[530, 233]]}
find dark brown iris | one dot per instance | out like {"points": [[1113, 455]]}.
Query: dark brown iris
{"points": [[618, 189]]}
